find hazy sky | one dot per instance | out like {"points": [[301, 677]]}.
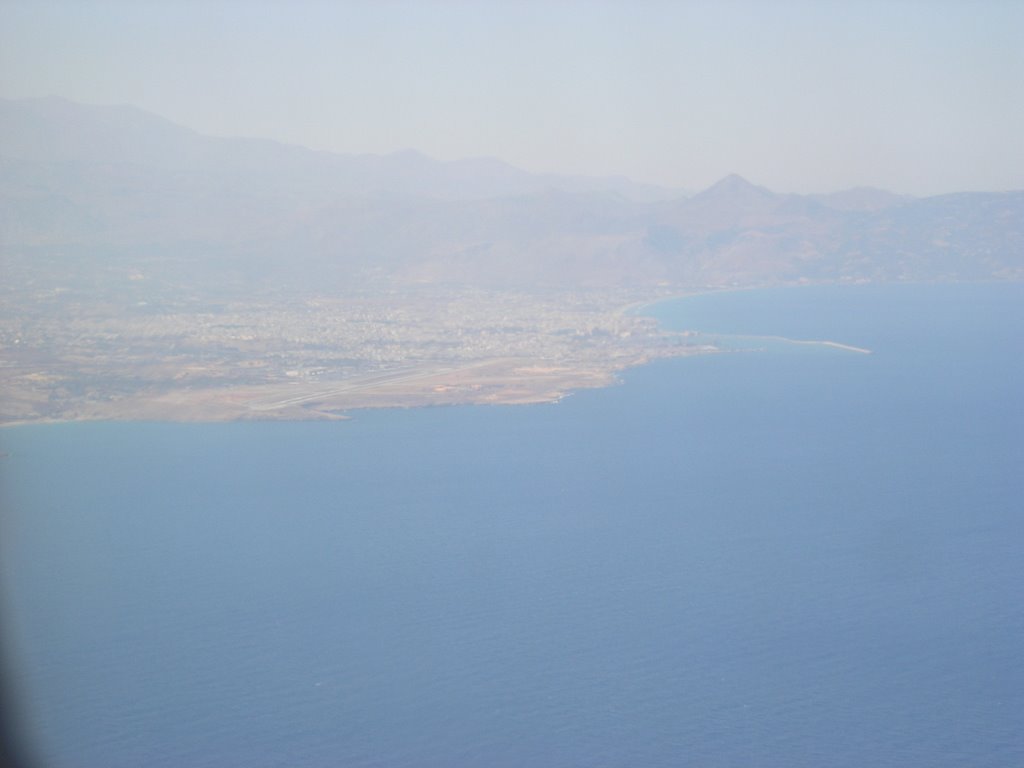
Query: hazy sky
{"points": [[917, 97]]}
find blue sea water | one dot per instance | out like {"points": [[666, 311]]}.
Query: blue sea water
{"points": [[799, 556]]}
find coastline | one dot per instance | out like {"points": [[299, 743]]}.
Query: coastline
{"points": [[518, 380], [503, 381]]}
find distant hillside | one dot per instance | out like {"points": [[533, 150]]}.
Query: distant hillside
{"points": [[61, 134], [117, 189]]}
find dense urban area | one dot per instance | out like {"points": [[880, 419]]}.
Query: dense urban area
{"points": [[294, 357]]}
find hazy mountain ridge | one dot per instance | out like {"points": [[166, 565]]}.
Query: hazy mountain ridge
{"points": [[117, 180], [59, 132]]}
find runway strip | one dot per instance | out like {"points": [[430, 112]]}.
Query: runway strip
{"points": [[362, 383]]}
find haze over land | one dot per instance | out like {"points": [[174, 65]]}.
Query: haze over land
{"points": [[153, 272], [316, 206], [917, 97], [793, 230]]}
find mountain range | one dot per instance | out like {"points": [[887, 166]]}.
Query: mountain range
{"points": [[111, 190]]}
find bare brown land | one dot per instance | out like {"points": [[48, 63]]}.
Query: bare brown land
{"points": [[66, 358]]}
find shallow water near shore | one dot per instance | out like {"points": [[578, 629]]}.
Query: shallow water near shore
{"points": [[799, 555]]}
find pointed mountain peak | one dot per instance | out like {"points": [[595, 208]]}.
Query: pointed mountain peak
{"points": [[734, 186]]}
